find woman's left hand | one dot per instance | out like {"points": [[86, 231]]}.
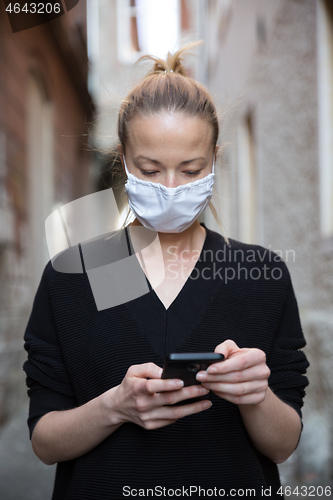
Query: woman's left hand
{"points": [[242, 378]]}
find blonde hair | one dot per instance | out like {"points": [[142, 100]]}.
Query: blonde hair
{"points": [[167, 87]]}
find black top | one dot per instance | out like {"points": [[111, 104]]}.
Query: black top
{"points": [[76, 352]]}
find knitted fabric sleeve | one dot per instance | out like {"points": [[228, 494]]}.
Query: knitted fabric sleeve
{"points": [[49, 387], [287, 362]]}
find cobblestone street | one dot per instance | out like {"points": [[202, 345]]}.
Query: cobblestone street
{"points": [[22, 475]]}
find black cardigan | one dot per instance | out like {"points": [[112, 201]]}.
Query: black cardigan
{"points": [[76, 352]]}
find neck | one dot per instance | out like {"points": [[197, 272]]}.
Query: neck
{"points": [[189, 240]]}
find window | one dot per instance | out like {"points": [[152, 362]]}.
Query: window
{"points": [[146, 27]]}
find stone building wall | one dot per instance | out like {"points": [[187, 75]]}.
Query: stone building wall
{"points": [[279, 92]]}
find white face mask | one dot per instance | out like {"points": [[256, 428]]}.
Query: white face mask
{"points": [[164, 209]]}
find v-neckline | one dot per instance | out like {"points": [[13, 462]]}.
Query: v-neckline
{"points": [[167, 329], [152, 290]]}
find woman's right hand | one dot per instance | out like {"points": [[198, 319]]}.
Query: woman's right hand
{"points": [[141, 396]]}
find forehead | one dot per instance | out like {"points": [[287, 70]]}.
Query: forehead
{"points": [[167, 130]]}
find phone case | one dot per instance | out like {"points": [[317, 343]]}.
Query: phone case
{"points": [[185, 366]]}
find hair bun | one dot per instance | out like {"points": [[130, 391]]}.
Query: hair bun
{"points": [[173, 62]]}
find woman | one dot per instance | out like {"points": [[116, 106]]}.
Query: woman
{"points": [[98, 405]]}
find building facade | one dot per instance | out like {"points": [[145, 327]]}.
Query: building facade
{"points": [[45, 113], [269, 64]]}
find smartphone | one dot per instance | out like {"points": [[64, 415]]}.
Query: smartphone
{"points": [[186, 365]]}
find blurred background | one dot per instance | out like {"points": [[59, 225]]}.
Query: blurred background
{"points": [[269, 67]]}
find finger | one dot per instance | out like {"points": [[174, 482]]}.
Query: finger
{"points": [[152, 386], [241, 360], [227, 347], [257, 372], [145, 370], [159, 385], [172, 397], [174, 413], [237, 389], [247, 399]]}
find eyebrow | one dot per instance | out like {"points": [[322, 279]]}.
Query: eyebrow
{"points": [[141, 157]]}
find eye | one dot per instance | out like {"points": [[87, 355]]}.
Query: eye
{"points": [[148, 173], [194, 172]]}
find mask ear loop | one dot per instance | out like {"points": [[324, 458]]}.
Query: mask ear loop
{"points": [[125, 165]]}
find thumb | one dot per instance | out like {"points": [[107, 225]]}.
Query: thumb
{"points": [[227, 348], [145, 370]]}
